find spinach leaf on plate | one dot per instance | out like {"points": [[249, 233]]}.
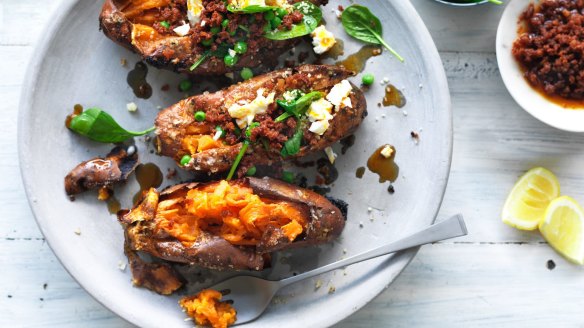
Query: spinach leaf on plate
{"points": [[100, 126], [360, 23]]}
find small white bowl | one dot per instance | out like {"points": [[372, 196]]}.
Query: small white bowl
{"points": [[528, 98]]}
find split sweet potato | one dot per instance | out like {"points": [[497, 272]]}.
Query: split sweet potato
{"points": [[230, 225]]}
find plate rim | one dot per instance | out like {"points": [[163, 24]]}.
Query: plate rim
{"points": [[399, 260]]}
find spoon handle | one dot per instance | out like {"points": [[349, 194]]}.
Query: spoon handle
{"points": [[450, 228]]}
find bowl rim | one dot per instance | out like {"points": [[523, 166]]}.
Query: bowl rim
{"points": [[522, 92], [460, 4]]}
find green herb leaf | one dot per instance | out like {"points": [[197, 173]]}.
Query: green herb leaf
{"points": [[238, 159], [312, 17], [251, 127], [250, 9], [292, 145], [100, 126], [199, 61], [298, 107], [361, 24], [282, 117]]}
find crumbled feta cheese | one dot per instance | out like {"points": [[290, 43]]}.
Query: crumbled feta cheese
{"points": [[347, 102], [339, 92], [132, 107], [322, 40], [77, 232], [291, 95], [246, 112], [194, 9], [182, 30], [121, 265], [232, 52], [320, 109], [330, 154], [319, 127], [386, 151]]}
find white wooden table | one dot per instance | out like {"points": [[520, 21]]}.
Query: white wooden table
{"points": [[494, 276]]}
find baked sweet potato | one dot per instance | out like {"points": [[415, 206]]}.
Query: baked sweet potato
{"points": [[212, 144], [176, 34], [230, 225]]}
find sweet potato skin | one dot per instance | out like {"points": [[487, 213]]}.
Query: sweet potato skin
{"points": [[174, 52], [99, 172], [172, 122], [325, 222]]}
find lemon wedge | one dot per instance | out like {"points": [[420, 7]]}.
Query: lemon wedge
{"points": [[532, 193], [563, 228]]}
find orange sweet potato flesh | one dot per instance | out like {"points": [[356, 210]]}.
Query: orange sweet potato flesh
{"points": [[230, 211], [207, 309], [230, 225]]}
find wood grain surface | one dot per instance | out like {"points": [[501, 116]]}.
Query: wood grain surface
{"points": [[495, 276]]}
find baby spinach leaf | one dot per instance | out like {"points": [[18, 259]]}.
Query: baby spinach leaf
{"points": [[292, 145], [312, 17], [100, 126], [360, 23]]}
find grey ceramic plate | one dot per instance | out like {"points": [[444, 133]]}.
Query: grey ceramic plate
{"points": [[75, 63]]}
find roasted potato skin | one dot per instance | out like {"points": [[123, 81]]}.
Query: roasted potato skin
{"points": [[325, 222], [172, 123], [99, 172], [175, 52]]}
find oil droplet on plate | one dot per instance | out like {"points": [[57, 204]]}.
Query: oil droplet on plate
{"points": [[385, 167], [148, 176], [393, 97], [137, 81], [113, 205], [360, 171], [77, 110], [357, 61]]}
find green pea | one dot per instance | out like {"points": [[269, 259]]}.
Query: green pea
{"points": [[185, 160], [230, 60], [165, 24], [215, 30], [288, 176], [207, 42], [269, 15], [200, 116], [368, 79], [185, 85], [251, 171], [281, 12], [240, 47], [277, 21], [246, 73], [225, 23]]}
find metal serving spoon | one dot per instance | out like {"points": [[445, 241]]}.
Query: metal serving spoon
{"points": [[251, 295]]}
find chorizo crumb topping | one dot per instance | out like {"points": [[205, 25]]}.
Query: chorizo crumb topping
{"points": [[551, 47], [262, 119]]}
